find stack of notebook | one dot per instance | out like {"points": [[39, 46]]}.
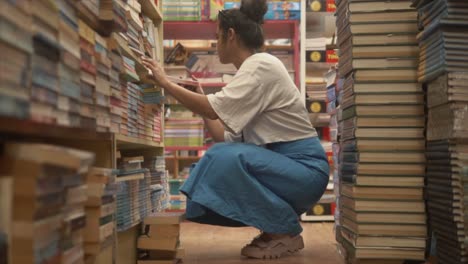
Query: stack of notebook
{"points": [[382, 163], [443, 67], [100, 211], [103, 89], [117, 108], [45, 61], [48, 202], [16, 46], [88, 75], [69, 100]]}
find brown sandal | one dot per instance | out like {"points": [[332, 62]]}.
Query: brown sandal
{"points": [[274, 248]]}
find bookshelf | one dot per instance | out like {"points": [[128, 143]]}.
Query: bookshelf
{"points": [[206, 30], [105, 145], [318, 57]]}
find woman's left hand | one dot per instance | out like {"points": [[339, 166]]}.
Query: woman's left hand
{"points": [[158, 72]]}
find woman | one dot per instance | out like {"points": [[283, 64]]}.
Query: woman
{"points": [[272, 167]]}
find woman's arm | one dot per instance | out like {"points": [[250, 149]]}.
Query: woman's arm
{"points": [[216, 129], [197, 103]]}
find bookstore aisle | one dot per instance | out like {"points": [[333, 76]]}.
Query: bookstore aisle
{"points": [[215, 245]]}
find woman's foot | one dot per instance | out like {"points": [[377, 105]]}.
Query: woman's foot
{"points": [[268, 246]]}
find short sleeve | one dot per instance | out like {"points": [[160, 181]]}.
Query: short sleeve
{"points": [[239, 101]]}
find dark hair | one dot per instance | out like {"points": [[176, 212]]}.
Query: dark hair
{"points": [[246, 21]]}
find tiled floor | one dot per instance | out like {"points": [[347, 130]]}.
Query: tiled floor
{"points": [[218, 245]]}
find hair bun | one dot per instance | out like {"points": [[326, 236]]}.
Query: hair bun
{"points": [[254, 9]]}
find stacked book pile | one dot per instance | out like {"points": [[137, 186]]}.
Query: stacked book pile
{"points": [[382, 164], [113, 13], [135, 110], [159, 186], [103, 90], [443, 67], [45, 62], [316, 97], [132, 194], [182, 128], [92, 6], [117, 109], [16, 46], [87, 76], [69, 99], [160, 241], [174, 10], [48, 202], [100, 211], [134, 36]]}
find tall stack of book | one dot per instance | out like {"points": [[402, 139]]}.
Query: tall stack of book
{"points": [[443, 67], [45, 61], [46, 212], [117, 108], [16, 46], [100, 211], [134, 104], [382, 164], [87, 76], [69, 100], [135, 27], [159, 188], [103, 90], [113, 12], [160, 241], [130, 196]]}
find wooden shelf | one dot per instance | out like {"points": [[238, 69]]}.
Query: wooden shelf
{"points": [[14, 126], [151, 10], [126, 142], [184, 158], [174, 148], [274, 29]]}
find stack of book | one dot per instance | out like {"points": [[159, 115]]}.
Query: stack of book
{"points": [[87, 76], [92, 6], [100, 211], [277, 10], [316, 103], [131, 197], [182, 128], [47, 202], [134, 36], [159, 186], [69, 100], [160, 241], [103, 90], [117, 109], [135, 110], [16, 46], [113, 13], [382, 164], [443, 67], [174, 10], [45, 61]]}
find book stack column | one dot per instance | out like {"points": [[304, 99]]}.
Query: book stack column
{"points": [[100, 212], [443, 67], [382, 164], [48, 212], [159, 184], [160, 239]]}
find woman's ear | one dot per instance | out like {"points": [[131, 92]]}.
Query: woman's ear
{"points": [[231, 34]]}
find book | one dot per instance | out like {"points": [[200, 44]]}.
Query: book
{"points": [[384, 252], [164, 244], [381, 193], [164, 218], [382, 241], [383, 206], [376, 229], [162, 230]]}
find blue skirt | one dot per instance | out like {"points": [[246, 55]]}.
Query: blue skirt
{"points": [[237, 184]]}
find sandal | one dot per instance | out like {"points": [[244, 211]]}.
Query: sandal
{"points": [[275, 248]]}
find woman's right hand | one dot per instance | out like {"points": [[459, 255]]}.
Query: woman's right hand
{"points": [[158, 72]]}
